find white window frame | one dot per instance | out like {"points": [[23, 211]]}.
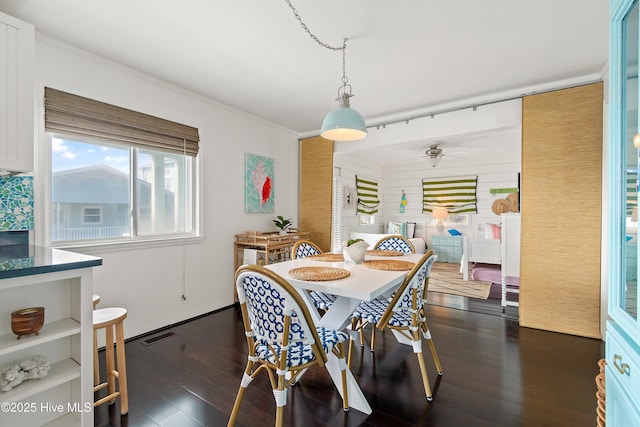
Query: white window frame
{"points": [[43, 211], [84, 214]]}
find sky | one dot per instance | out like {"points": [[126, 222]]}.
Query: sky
{"points": [[66, 154]]}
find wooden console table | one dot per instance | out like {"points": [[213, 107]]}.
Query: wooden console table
{"points": [[270, 247]]}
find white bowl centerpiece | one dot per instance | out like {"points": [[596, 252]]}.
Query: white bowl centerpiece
{"points": [[354, 251]]}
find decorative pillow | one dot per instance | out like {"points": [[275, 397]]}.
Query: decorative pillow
{"points": [[411, 230], [492, 231], [397, 228]]}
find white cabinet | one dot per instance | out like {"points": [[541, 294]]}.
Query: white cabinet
{"points": [[65, 395], [510, 254], [17, 57]]}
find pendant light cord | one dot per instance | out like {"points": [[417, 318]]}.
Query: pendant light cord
{"points": [[343, 48], [306, 29], [343, 123]]}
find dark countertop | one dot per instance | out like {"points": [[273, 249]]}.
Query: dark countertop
{"points": [[26, 260]]}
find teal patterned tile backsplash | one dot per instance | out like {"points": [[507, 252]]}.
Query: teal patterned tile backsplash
{"points": [[16, 203]]}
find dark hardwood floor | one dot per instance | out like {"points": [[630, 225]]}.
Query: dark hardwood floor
{"points": [[495, 374]]}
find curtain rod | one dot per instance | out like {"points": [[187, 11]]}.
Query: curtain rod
{"points": [[474, 106]]}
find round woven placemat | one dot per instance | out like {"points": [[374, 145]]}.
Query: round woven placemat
{"points": [[318, 273], [327, 257], [384, 252], [388, 264]]}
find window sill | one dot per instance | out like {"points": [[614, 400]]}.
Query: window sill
{"points": [[121, 246]]}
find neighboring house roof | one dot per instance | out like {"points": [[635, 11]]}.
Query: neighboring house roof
{"points": [[92, 184], [98, 184]]}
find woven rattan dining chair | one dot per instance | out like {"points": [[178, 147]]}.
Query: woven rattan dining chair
{"points": [[405, 314], [302, 249], [396, 243], [281, 335]]}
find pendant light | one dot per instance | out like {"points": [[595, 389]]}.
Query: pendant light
{"points": [[344, 123]]}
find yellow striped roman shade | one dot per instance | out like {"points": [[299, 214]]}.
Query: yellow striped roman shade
{"points": [[457, 195], [367, 196]]}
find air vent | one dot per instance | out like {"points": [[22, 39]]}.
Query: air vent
{"points": [[157, 338]]}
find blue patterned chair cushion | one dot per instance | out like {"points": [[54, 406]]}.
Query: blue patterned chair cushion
{"points": [[372, 311], [266, 310], [300, 353], [322, 300], [304, 250], [394, 244]]}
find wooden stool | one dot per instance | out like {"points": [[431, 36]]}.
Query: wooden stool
{"points": [[96, 364], [108, 318]]}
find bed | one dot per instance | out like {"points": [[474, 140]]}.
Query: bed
{"points": [[497, 260]]}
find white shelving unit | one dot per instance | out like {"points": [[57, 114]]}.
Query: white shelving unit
{"points": [[65, 396]]}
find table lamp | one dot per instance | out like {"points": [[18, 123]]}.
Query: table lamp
{"points": [[440, 214]]}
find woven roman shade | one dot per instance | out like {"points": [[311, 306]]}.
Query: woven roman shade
{"points": [[75, 116], [457, 195], [367, 196]]}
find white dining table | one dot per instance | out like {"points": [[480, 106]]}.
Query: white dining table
{"points": [[362, 284]]}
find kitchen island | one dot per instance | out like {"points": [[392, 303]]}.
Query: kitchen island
{"points": [[61, 282]]}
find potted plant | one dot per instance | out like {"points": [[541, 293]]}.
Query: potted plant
{"points": [[282, 223]]}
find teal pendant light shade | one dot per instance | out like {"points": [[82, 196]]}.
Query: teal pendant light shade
{"points": [[343, 123]]}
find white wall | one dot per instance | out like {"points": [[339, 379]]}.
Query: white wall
{"points": [[150, 280], [350, 166], [496, 128]]}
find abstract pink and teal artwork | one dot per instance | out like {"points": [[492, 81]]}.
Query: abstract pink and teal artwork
{"points": [[16, 203], [258, 184]]}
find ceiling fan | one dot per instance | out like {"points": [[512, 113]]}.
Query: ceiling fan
{"points": [[434, 155]]}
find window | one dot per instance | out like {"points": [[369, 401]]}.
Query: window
{"points": [[93, 195], [109, 185], [92, 215]]}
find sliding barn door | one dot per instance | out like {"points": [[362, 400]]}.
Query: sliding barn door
{"points": [[561, 206], [316, 181]]}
